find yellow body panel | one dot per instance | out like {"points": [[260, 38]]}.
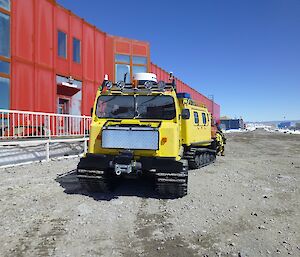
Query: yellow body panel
{"points": [[169, 134], [167, 129], [173, 134], [193, 132]]}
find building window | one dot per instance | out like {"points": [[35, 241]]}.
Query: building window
{"points": [[4, 67], [62, 44], [4, 96], [122, 58], [139, 60], [204, 118], [76, 50], [139, 64], [4, 35], [196, 118], [125, 64], [5, 4], [123, 70], [138, 69], [5, 54]]}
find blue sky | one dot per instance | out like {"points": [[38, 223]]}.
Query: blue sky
{"points": [[244, 52]]}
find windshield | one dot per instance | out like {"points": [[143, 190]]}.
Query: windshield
{"points": [[155, 107], [119, 107], [139, 107]]}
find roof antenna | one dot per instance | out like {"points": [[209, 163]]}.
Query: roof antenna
{"points": [[171, 77], [125, 76]]}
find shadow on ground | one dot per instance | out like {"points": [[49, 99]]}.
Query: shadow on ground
{"points": [[142, 187]]}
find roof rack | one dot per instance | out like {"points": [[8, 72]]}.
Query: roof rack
{"points": [[187, 99], [139, 86]]}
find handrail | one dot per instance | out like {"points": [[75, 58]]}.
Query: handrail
{"points": [[16, 124]]}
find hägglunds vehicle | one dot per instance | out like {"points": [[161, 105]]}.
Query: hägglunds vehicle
{"points": [[145, 127]]}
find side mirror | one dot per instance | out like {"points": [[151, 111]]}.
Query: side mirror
{"points": [[185, 114], [92, 110]]}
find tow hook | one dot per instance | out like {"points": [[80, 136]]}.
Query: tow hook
{"points": [[122, 168], [126, 168]]}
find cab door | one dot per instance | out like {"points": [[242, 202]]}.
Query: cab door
{"points": [[205, 127]]}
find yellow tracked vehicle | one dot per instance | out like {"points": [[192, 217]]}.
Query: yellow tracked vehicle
{"points": [[146, 128]]}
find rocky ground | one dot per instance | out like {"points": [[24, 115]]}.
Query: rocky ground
{"points": [[245, 204]]}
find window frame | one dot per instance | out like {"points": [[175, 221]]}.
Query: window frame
{"points": [[134, 66], [4, 9], [139, 64], [130, 72], [66, 48], [135, 105], [158, 96], [97, 111], [204, 118], [196, 118], [9, 90], [130, 63], [2, 57], [8, 63], [73, 39], [121, 62], [6, 76]]}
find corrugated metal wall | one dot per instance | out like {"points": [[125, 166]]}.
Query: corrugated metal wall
{"points": [[35, 62], [182, 87], [34, 55], [120, 45]]}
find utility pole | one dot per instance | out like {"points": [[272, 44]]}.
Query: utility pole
{"points": [[212, 98]]}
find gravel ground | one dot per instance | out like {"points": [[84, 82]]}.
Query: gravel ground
{"points": [[245, 204]]}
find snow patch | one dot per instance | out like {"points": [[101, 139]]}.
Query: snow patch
{"points": [[271, 129], [234, 131], [284, 131]]}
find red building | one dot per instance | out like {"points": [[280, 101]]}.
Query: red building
{"points": [[53, 61]]}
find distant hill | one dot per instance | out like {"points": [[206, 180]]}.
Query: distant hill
{"points": [[274, 123]]}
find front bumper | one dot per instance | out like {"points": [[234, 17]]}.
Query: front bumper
{"points": [[103, 162]]}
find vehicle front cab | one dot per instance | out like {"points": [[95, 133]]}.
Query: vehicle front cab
{"points": [[135, 126]]}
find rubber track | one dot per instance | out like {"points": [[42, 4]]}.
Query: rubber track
{"points": [[94, 180], [172, 185], [202, 154]]}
